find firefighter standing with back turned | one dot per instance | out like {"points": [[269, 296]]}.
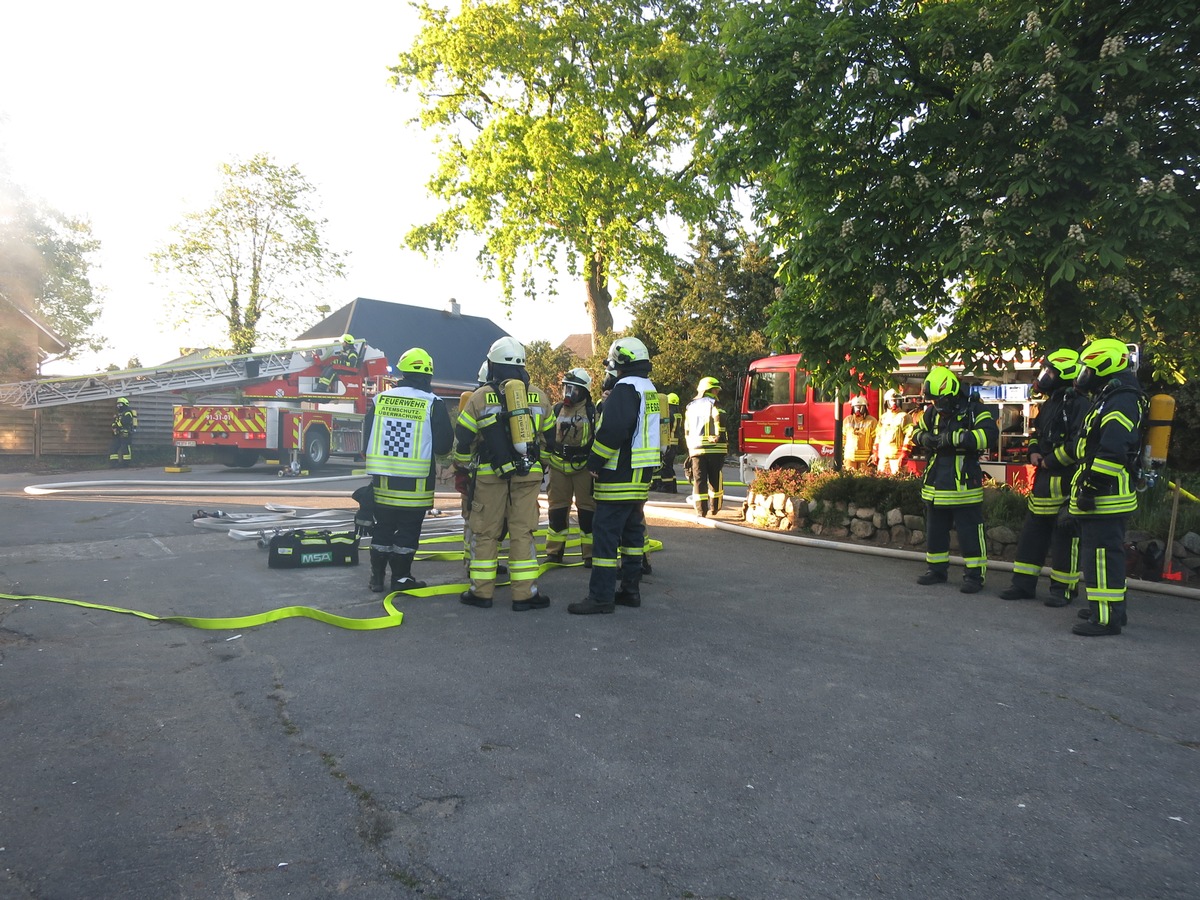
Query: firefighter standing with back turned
{"points": [[568, 445], [624, 457], [502, 425], [407, 432], [956, 429], [1052, 444], [1102, 492], [708, 444], [124, 424]]}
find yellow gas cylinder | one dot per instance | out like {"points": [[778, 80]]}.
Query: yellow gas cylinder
{"points": [[520, 420], [664, 421], [1158, 431], [463, 398]]}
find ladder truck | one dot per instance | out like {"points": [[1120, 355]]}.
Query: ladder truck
{"points": [[286, 415]]}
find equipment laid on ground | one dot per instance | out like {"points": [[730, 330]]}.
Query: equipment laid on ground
{"points": [[309, 547]]}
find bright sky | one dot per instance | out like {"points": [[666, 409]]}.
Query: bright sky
{"points": [[122, 112]]}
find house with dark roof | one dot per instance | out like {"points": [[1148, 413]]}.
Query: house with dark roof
{"points": [[457, 343], [579, 344]]}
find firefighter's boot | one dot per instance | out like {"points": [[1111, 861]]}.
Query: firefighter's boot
{"points": [[379, 563], [628, 595], [701, 508], [1092, 627], [1023, 587], [402, 579], [933, 576], [1060, 594], [590, 606]]}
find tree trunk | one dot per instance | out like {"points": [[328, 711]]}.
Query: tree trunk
{"points": [[599, 301]]}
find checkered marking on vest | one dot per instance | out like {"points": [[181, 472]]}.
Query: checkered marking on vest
{"points": [[398, 437]]}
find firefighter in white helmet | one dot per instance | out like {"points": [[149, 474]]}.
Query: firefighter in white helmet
{"points": [[624, 458], [892, 437], [858, 435], [502, 425], [568, 445]]}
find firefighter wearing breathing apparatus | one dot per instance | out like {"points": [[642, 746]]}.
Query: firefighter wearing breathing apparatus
{"points": [[954, 430], [124, 425], [858, 435], [502, 425], [407, 433], [892, 436], [624, 457], [1102, 492], [568, 444], [707, 444], [1047, 526]]}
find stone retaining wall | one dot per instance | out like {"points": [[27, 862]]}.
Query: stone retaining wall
{"points": [[894, 528]]}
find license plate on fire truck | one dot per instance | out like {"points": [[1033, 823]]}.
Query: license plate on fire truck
{"points": [[185, 443]]}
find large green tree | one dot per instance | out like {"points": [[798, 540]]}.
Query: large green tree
{"points": [[46, 268], [1011, 173], [710, 317], [256, 258], [566, 138]]}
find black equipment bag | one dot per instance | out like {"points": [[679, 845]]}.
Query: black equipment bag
{"points": [[306, 548]]}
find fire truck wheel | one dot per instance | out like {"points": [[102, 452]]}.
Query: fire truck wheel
{"points": [[316, 448], [794, 465]]}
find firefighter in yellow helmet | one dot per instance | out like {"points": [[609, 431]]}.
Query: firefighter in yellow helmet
{"points": [[1052, 444], [124, 425], [406, 432], [892, 436], [858, 435], [954, 430], [568, 444], [508, 476], [344, 360], [707, 443], [1102, 491], [624, 457]]}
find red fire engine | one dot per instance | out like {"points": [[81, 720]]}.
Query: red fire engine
{"points": [[786, 422], [294, 421]]}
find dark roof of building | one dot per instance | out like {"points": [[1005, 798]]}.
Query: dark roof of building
{"points": [[457, 343]]}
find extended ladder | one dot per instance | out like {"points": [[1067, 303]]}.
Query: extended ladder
{"points": [[181, 376]]}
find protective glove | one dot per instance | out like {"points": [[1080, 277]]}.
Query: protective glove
{"points": [[945, 441], [1085, 500], [462, 480], [927, 440]]}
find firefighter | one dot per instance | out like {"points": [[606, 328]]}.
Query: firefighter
{"points": [[503, 425], [1047, 526], [344, 359], [671, 418], [406, 434], [892, 435], [707, 444], [858, 435], [124, 426], [568, 444], [954, 430], [1102, 492], [624, 457]]}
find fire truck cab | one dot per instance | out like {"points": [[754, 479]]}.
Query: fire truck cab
{"points": [[787, 423]]}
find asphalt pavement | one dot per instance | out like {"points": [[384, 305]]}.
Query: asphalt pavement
{"points": [[775, 721]]}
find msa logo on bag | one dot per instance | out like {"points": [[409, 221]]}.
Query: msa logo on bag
{"points": [[303, 548]]}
